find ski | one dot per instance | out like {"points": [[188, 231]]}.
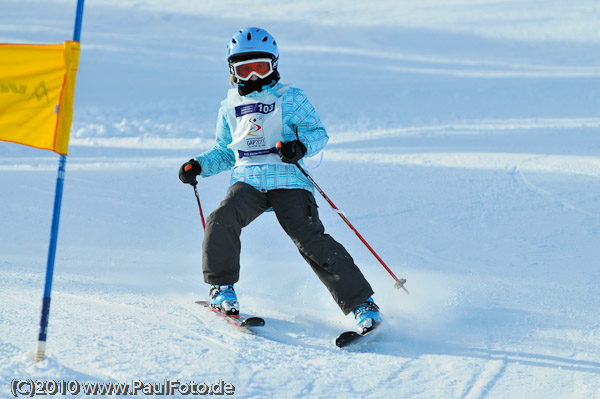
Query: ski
{"points": [[238, 320], [348, 338]]}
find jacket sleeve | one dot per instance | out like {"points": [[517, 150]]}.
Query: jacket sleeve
{"points": [[219, 158], [305, 122]]}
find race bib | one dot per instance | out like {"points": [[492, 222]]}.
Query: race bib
{"points": [[256, 125]]}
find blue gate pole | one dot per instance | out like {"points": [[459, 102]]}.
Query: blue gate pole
{"points": [[40, 352]]}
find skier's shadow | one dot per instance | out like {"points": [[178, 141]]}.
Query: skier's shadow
{"points": [[388, 343], [298, 333]]}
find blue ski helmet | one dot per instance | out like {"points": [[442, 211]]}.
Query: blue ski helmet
{"points": [[249, 42]]}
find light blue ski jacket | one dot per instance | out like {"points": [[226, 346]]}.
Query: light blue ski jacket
{"points": [[300, 121]]}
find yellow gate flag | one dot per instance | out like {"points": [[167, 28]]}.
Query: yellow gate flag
{"points": [[37, 86]]}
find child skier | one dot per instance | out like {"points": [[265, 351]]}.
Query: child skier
{"points": [[253, 118]]}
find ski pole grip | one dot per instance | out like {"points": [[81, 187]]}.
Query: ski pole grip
{"points": [[279, 144], [187, 167]]}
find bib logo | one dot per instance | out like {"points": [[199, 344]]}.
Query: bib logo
{"points": [[255, 137]]}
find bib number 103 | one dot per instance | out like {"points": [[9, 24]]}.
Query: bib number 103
{"points": [[265, 108]]}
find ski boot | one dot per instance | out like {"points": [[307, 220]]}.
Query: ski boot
{"points": [[223, 299], [367, 316]]}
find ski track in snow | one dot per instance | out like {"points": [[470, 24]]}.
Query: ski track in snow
{"points": [[520, 176], [485, 380]]}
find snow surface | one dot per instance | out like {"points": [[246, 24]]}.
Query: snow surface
{"points": [[465, 147]]}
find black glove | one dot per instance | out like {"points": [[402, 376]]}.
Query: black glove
{"points": [[189, 171], [291, 151]]}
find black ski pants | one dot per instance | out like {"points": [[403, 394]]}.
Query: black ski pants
{"points": [[296, 211]]}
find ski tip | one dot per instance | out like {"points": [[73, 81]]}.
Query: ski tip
{"points": [[351, 337], [347, 338], [253, 322]]}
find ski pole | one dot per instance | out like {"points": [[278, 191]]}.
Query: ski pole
{"points": [[399, 282], [188, 167], [199, 207]]}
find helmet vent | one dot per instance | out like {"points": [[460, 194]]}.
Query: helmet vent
{"points": [[249, 36], [234, 41], [265, 39]]}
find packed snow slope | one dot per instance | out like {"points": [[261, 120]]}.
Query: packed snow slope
{"points": [[465, 147]]}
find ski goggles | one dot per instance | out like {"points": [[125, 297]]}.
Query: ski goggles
{"points": [[261, 67]]}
